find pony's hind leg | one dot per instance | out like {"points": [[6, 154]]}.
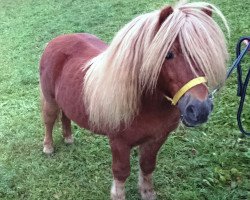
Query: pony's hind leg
{"points": [[50, 113], [148, 154], [67, 133]]}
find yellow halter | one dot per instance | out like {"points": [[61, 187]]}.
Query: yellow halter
{"points": [[185, 88]]}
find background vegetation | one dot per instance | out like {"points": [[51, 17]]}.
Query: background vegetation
{"points": [[210, 162]]}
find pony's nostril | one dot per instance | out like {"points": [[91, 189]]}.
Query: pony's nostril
{"points": [[191, 112]]}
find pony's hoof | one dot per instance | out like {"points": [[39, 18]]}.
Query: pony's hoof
{"points": [[147, 194], [48, 149], [117, 197], [118, 190], [69, 140]]}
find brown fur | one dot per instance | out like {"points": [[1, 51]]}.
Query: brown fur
{"points": [[61, 78]]}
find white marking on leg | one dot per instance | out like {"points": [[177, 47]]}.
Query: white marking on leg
{"points": [[48, 148], [118, 190], [69, 140], [146, 187]]}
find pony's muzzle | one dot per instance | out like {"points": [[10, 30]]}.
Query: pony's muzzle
{"points": [[193, 111]]}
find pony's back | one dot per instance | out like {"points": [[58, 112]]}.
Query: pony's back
{"points": [[61, 74]]}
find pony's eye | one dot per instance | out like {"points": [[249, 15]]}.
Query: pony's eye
{"points": [[170, 55]]}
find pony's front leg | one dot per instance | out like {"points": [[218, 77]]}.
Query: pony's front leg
{"points": [[120, 168], [148, 154]]}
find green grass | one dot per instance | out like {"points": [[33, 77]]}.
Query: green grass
{"points": [[210, 162]]}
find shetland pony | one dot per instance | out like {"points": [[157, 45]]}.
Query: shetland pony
{"points": [[136, 90]]}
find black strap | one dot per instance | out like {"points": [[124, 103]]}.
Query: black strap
{"points": [[242, 84]]}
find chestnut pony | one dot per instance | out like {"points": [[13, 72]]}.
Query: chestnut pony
{"points": [[156, 71]]}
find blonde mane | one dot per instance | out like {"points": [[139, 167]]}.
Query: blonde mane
{"points": [[116, 78]]}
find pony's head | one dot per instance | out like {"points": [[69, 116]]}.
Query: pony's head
{"points": [[192, 58], [185, 86], [167, 51]]}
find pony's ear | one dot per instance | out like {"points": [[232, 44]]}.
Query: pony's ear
{"points": [[165, 12], [208, 11]]}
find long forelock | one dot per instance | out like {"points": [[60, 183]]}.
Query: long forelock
{"points": [[203, 42], [201, 39], [115, 79]]}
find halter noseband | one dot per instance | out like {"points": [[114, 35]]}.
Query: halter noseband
{"points": [[185, 88]]}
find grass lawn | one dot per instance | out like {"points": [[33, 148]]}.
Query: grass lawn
{"points": [[210, 162]]}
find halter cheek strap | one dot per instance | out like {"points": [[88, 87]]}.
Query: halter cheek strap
{"points": [[185, 88]]}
